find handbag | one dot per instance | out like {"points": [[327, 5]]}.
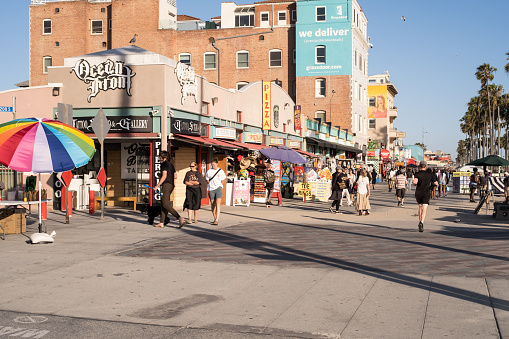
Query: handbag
{"points": [[356, 186], [341, 185]]}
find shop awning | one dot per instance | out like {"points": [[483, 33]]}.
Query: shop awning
{"points": [[308, 154], [332, 145], [205, 141], [253, 147]]}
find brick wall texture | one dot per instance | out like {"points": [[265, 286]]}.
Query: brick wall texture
{"points": [[71, 28]]}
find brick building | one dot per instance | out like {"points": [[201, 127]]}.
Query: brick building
{"points": [[320, 59]]}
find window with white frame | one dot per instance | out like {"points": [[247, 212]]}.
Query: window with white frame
{"points": [[241, 84], [244, 17], [372, 123], [320, 54], [242, 59], [372, 102], [294, 16], [47, 61], [210, 60], [321, 13], [360, 62], [185, 58], [355, 58], [281, 18], [264, 19], [276, 58], [320, 87], [96, 27], [321, 115], [46, 26]]}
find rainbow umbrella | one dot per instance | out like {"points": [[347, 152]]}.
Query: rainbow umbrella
{"points": [[41, 145]]}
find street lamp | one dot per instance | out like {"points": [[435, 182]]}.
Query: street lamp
{"points": [[330, 104]]}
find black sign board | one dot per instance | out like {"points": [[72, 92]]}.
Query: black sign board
{"points": [[118, 124], [185, 126]]}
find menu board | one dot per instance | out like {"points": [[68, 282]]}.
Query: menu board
{"points": [[259, 189], [241, 196], [322, 189]]}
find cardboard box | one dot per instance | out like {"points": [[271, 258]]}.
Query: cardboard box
{"points": [[13, 220]]}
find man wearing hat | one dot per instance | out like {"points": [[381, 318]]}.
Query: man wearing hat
{"points": [[423, 181]]}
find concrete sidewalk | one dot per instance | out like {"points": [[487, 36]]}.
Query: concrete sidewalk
{"points": [[290, 271]]}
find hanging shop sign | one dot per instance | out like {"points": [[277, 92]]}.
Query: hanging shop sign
{"points": [[187, 80], [255, 138], [118, 124], [294, 144], [266, 106], [297, 123], [275, 141], [225, 133], [103, 77], [156, 170], [185, 126]]}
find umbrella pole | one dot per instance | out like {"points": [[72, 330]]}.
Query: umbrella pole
{"points": [[40, 205]]}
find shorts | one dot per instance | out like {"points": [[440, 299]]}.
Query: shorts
{"points": [[216, 194], [269, 185], [400, 193], [423, 198]]}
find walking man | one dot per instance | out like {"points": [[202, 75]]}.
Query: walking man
{"points": [[400, 186], [167, 183], [423, 181]]}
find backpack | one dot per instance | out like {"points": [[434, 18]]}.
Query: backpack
{"points": [[269, 176]]}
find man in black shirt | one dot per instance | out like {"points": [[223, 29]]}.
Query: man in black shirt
{"points": [[423, 181], [167, 183]]}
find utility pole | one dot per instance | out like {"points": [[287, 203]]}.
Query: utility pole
{"points": [[423, 132]]}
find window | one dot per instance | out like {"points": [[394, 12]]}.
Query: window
{"points": [[355, 58], [320, 87], [46, 26], [360, 62], [281, 18], [320, 115], [264, 19], [239, 117], [372, 81], [294, 56], [241, 84], [210, 60], [276, 58], [243, 59], [320, 14], [372, 102], [204, 108], [109, 24], [294, 88], [244, 17], [46, 62], [372, 123], [96, 26], [294, 16], [185, 58], [319, 54]]}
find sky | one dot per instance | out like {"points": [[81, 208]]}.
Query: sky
{"points": [[431, 57]]}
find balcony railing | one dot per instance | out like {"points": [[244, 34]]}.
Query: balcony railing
{"points": [[42, 2]]}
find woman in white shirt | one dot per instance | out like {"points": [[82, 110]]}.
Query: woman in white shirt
{"points": [[215, 177], [363, 193]]}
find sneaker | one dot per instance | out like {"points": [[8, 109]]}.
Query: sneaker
{"points": [[399, 203], [402, 205], [421, 227], [338, 212], [367, 213], [331, 209]]}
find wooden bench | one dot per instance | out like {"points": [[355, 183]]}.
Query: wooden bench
{"points": [[128, 199]]}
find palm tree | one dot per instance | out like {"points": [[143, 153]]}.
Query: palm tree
{"points": [[507, 65], [485, 75]]}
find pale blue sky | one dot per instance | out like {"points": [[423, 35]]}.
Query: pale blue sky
{"points": [[431, 57]]}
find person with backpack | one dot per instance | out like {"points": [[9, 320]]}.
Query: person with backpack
{"points": [[269, 177]]}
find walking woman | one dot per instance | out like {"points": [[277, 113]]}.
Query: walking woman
{"points": [[337, 189], [216, 178], [193, 180], [373, 177], [363, 192], [351, 181], [167, 183]]}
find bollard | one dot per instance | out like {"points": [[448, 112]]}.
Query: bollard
{"points": [[91, 202], [44, 211], [69, 197]]}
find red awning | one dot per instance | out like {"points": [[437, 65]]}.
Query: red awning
{"points": [[253, 147], [206, 141], [307, 154]]}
